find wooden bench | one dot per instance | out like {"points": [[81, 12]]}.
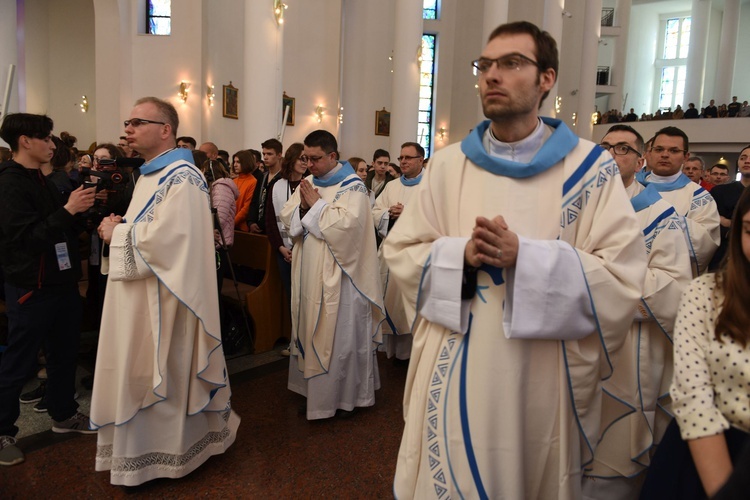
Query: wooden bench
{"points": [[265, 301]]}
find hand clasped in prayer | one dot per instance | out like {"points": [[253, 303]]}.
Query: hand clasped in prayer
{"points": [[308, 194], [107, 226], [492, 243]]}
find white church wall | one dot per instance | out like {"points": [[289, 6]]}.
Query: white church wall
{"points": [[72, 69], [640, 75], [36, 54], [712, 57], [311, 66], [8, 55]]}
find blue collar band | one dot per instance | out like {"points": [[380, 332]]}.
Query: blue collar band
{"points": [[645, 198], [412, 182], [167, 158], [345, 171], [682, 181], [560, 143]]}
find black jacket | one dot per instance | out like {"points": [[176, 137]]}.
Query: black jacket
{"points": [[371, 176], [32, 222]]}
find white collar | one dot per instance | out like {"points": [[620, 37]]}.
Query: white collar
{"points": [[522, 151], [660, 179]]}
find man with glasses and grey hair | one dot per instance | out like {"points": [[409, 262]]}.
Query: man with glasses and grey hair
{"points": [[642, 368], [669, 152], [161, 397], [386, 212], [524, 261]]}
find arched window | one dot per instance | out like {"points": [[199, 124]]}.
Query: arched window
{"points": [[158, 17], [426, 94]]}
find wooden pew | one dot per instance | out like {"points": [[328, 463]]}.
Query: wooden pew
{"points": [[264, 301]]}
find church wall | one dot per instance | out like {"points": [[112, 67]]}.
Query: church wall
{"points": [[8, 55], [223, 55], [36, 57], [367, 78], [161, 62], [712, 57], [72, 72], [640, 75]]}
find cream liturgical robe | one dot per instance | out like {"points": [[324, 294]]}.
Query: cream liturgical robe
{"points": [[161, 397], [400, 313], [699, 213], [337, 303], [643, 367], [503, 393]]}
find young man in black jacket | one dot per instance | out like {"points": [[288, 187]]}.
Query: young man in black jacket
{"points": [[42, 266]]}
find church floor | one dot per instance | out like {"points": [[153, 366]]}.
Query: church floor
{"points": [[277, 454]]}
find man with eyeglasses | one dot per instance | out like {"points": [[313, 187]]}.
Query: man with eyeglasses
{"points": [[161, 397], [642, 368], [524, 260], [669, 151], [388, 207], [337, 302], [727, 195]]}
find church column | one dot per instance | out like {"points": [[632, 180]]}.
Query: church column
{"points": [[592, 21], [495, 14], [730, 24], [622, 20], [553, 24], [260, 98], [696, 60], [405, 101]]}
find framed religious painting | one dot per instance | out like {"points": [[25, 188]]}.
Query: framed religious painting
{"points": [[288, 102], [231, 101], [383, 122]]}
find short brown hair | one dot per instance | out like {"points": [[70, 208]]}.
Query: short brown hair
{"points": [[545, 45]]}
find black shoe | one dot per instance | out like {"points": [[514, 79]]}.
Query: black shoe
{"points": [[346, 413], [34, 395], [41, 406]]}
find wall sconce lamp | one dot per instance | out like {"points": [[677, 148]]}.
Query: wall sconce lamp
{"points": [[442, 132], [183, 93], [594, 118], [210, 95], [341, 114], [419, 53], [278, 11], [558, 104], [84, 105], [319, 112], [390, 58], [575, 119]]}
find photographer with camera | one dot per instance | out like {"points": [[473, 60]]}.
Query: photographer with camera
{"points": [[41, 264]]}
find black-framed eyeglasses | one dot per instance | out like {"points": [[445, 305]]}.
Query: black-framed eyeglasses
{"points": [[509, 62], [619, 149], [404, 158], [137, 122], [311, 159], [673, 151]]}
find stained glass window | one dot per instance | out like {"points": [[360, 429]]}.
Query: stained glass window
{"points": [[426, 81], [159, 17], [430, 9], [677, 38]]}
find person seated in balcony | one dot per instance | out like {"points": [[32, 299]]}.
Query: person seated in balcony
{"points": [[710, 111], [678, 113], [631, 117], [691, 112]]}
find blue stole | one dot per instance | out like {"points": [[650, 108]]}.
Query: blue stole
{"points": [[412, 182], [646, 198], [345, 171], [560, 143], [164, 159], [682, 181]]}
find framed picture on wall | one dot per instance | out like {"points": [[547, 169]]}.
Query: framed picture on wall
{"points": [[288, 101], [383, 122], [231, 102]]}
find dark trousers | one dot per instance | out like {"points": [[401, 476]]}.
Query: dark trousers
{"points": [[49, 317]]}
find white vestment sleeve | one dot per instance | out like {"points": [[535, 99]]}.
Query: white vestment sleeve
{"points": [[546, 293], [311, 219], [124, 262], [440, 295]]}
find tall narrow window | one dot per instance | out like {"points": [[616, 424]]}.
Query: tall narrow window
{"points": [[430, 9], [672, 66], [159, 17], [426, 83]]}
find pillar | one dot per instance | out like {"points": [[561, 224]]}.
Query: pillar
{"points": [[260, 98], [730, 25], [622, 20], [696, 61], [587, 84], [405, 101]]}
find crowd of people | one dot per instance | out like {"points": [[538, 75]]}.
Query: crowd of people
{"points": [[573, 315], [732, 110]]}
